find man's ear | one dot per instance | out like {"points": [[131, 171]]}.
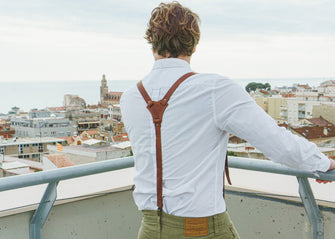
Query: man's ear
{"points": [[195, 48]]}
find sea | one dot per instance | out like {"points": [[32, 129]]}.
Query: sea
{"points": [[39, 95]]}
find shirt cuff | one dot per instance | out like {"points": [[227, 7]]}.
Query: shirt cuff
{"points": [[324, 164]]}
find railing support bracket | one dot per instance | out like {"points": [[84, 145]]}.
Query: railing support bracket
{"points": [[312, 209], [43, 210]]}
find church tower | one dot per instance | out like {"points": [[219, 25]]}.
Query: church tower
{"points": [[103, 89]]}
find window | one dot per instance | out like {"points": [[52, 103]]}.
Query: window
{"points": [[2, 150], [40, 147], [20, 149]]}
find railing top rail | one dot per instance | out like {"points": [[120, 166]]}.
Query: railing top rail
{"points": [[271, 167], [55, 175], [60, 174]]}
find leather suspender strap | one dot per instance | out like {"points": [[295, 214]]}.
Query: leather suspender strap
{"points": [[226, 172], [157, 109]]}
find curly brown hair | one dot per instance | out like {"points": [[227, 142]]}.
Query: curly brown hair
{"points": [[173, 30]]}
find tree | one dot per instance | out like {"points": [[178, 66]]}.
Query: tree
{"points": [[231, 153], [252, 86], [267, 86]]}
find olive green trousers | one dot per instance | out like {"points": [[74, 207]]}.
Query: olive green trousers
{"points": [[172, 227]]}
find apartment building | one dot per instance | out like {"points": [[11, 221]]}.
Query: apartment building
{"points": [[27, 148], [83, 120], [272, 105], [301, 106], [41, 123], [114, 112]]}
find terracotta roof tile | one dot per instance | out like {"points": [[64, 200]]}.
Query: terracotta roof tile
{"points": [[115, 93], [320, 122], [315, 132], [68, 139], [288, 95], [121, 138], [283, 125], [264, 92], [62, 108], [60, 160]]}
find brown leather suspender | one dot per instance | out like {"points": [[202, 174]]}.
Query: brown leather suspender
{"points": [[157, 109], [226, 171]]}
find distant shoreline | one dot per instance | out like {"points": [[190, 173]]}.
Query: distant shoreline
{"points": [[28, 95]]}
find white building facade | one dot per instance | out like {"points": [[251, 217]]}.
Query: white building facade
{"points": [[50, 126], [301, 106]]}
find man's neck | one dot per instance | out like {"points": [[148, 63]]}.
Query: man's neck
{"points": [[182, 57]]}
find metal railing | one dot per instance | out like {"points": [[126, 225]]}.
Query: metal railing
{"points": [[52, 178]]}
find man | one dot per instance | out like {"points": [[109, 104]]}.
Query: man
{"points": [[188, 133]]}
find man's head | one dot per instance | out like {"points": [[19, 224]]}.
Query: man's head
{"points": [[173, 30]]}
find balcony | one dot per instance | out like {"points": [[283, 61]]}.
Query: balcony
{"points": [[94, 201]]}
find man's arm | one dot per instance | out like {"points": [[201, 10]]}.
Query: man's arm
{"points": [[237, 113]]}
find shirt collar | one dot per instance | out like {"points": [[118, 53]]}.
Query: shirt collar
{"points": [[171, 63]]}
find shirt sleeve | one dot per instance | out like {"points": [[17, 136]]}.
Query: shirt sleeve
{"points": [[237, 113]]}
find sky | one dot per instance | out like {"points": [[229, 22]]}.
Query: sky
{"points": [[79, 40]]}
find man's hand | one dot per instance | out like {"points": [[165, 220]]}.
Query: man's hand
{"points": [[332, 166]]}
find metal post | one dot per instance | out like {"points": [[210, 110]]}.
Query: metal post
{"points": [[312, 209], [42, 212]]}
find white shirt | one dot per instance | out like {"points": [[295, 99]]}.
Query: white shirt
{"points": [[201, 113]]}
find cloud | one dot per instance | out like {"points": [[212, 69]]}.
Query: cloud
{"points": [[268, 17], [255, 56], [35, 53], [80, 40], [219, 17]]}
